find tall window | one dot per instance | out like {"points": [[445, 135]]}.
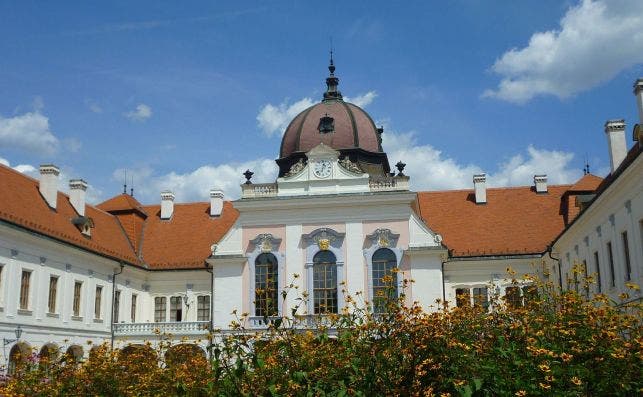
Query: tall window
{"points": [[325, 282], [24, 289], [133, 308], [384, 279], [626, 252], [610, 258], [266, 285], [512, 296], [586, 276], [480, 297], [97, 300], [176, 308], [53, 290], [76, 302], [160, 307], [117, 306], [598, 272], [203, 308], [462, 297]]}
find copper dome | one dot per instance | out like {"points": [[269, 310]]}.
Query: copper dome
{"points": [[341, 125]]}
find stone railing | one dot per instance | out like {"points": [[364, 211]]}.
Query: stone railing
{"points": [[174, 328], [261, 322], [257, 190], [388, 183]]}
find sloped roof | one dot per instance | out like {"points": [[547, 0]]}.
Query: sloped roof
{"points": [[122, 202], [183, 242], [21, 204], [514, 221], [588, 182]]}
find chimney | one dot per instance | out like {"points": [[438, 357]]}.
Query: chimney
{"points": [[540, 182], [167, 204], [479, 185], [216, 202], [77, 189], [49, 183], [638, 91], [615, 130]]}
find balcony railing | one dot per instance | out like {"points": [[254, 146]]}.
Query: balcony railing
{"points": [[174, 328], [256, 190]]}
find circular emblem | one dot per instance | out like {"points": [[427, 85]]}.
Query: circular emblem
{"points": [[322, 169]]}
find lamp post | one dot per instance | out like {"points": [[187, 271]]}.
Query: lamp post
{"points": [[18, 332]]}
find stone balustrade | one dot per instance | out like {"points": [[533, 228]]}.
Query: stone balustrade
{"points": [[388, 183], [258, 190], [174, 328]]}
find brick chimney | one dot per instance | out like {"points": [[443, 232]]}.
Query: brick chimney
{"points": [[167, 204], [615, 131], [480, 187], [49, 184], [77, 189]]}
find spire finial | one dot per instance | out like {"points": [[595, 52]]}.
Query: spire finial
{"points": [[331, 66], [331, 81]]}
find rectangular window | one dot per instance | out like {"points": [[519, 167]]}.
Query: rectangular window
{"points": [[133, 308], [626, 252], [512, 297], [203, 308], [176, 308], [610, 258], [76, 303], [53, 290], [598, 272], [117, 306], [481, 297], [97, 301], [24, 289], [160, 307], [462, 297]]}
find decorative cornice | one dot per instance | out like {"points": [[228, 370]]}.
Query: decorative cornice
{"points": [[266, 242], [383, 238], [324, 237]]}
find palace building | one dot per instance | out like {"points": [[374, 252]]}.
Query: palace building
{"points": [[336, 221]]}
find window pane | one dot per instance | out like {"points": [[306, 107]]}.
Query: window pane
{"points": [[324, 283], [53, 287], [530, 293], [626, 252], [203, 308], [512, 297], [97, 301], [481, 297], [160, 307], [176, 308], [384, 279], [24, 290], [117, 306], [610, 258], [133, 308], [266, 285], [598, 272], [76, 302]]}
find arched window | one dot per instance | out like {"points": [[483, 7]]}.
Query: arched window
{"points": [[18, 356], [325, 282], [384, 279], [266, 285]]}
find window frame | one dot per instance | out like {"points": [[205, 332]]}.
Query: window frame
{"points": [[626, 255], [76, 302], [178, 308], [382, 238], [133, 307], [324, 239], [327, 282], [264, 243], [161, 304], [24, 297], [52, 300], [206, 309], [117, 306], [393, 272], [98, 301], [610, 261]]}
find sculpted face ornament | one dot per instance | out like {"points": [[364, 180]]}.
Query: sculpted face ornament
{"points": [[384, 238], [324, 244], [266, 242], [324, 240]]}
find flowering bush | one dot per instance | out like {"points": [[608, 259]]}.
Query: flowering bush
{"points": [[554, 344]]}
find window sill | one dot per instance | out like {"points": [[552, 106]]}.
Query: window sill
{"points": [[53, 315], [76, 318], [98, 320], [25, 312]]}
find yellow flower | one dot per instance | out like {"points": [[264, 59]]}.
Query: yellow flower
{"points": [[459, 382], [521, 393], [576, 381], [544, 367], [544, 386], [633, 286]]}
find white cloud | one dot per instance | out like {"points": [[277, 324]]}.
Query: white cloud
{"points": [[596, 40], [195, 185], [27, 169], [362, 100], [142, 112], [73, 145], [430, 169], [273, 119], [29, 132]]}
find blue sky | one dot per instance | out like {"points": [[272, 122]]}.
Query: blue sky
{"points": [[185, 97]]}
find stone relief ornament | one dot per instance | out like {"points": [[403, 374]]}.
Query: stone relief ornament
{"points": [[348, 165], [384, 238], [324, 239], [266, 242], [296, 168]]}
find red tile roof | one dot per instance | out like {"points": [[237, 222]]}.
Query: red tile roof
{"points": [[588, 182], [184, 240], [21, 204], [514, 220]]}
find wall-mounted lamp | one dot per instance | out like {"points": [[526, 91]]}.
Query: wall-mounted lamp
{"points": [[18, 332]]}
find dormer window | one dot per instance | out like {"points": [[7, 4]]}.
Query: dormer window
{"points": [[84, 225], [326, 124]]}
